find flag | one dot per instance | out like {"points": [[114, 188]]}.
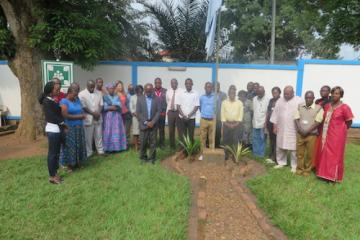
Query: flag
{"points": [[210, 27]]}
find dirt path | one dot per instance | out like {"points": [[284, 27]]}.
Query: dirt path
{"points": [[10, 147], [228, 215]]}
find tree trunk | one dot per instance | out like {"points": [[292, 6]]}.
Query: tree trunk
{"points": [[26, 65], [27, 68]]}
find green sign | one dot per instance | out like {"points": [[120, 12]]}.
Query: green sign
{"points": [[61, 70]]}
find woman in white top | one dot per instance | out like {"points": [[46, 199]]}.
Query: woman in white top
{"points": [[55, 128], [135, 123]]}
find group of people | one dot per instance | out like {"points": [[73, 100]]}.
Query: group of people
{"points": [[312, 132], [104, 118]]}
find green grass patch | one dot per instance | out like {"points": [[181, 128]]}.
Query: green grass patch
{"points": [[111, 198], [308, 208]]}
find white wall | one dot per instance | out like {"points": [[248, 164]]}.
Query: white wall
{"points": [[266, 78], [110, 73], [10, 91], [199, 76], [315, 76], [346, 76]]}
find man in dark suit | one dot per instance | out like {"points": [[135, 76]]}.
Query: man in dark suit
{"points": [[160, 92], [148, 110]]}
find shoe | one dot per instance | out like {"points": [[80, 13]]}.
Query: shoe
{"points": [[278, 166], [269, 160], [201, 158], [54, 181]]}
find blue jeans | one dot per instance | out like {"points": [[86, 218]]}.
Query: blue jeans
{"points": [[55, 140], [259, 142]]}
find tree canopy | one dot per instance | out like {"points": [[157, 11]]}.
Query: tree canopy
{"points": [[180, 27], [250, 30], [81, 31]]}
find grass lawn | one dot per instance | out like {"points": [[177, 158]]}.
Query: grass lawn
{"points": [[307, 208], [112, 198]]}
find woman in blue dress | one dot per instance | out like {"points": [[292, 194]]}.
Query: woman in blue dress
{"points": [[73, 152]]}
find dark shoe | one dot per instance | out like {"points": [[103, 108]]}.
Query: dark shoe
{"points": [[152, 160], [143, 159]]}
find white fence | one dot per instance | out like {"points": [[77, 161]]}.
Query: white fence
{"points": [[306, 75]]}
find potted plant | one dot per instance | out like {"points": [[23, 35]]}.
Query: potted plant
{"points": [[190, 147]]}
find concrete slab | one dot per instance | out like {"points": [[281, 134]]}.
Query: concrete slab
{"points": [[216, 155]]}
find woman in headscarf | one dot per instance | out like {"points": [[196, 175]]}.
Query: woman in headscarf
{"points": [[114, 137]]}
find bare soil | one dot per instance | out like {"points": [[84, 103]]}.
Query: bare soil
{"points": [[11, 147], [228, 216], [354, 135]]}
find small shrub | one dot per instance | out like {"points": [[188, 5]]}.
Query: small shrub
{"points": [[190, 147], [237, 152]]}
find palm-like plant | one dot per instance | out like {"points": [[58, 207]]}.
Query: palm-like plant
{"points": [[237, 152], [190, 147], [180, 27]]}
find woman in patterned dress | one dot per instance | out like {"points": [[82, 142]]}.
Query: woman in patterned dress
{"points": [[114, 136], [73, 152]]}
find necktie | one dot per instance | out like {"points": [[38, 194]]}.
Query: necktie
{"points": [[172, 105]]}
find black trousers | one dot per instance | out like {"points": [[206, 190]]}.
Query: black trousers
{"points": [[55, 140], [173, 122], [231, 136], [186, 128], [161, 130], [218, 132], [272, 138], [127, 120], [148, 142]]}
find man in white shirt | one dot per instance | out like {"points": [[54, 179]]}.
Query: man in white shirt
{"points": [[172, 112], [285, 128], [187, 104], [92, 103], [260, 105]]}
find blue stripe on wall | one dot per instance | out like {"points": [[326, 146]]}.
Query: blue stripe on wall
{"points": [[300, 77], [331, 62], [134, 74], [13, 117]]}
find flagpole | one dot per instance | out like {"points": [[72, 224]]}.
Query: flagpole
{"points": [[217, 75]]}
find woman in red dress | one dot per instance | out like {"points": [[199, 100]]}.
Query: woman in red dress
{"points": [[337, 119]]}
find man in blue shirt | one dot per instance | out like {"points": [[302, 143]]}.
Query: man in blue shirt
{"points": [[207, 107]]}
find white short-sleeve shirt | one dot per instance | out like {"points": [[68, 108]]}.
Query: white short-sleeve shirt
{"points": [[260, 109], [187, 101]]}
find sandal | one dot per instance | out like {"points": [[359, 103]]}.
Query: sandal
{"points": [[54, 180]]}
